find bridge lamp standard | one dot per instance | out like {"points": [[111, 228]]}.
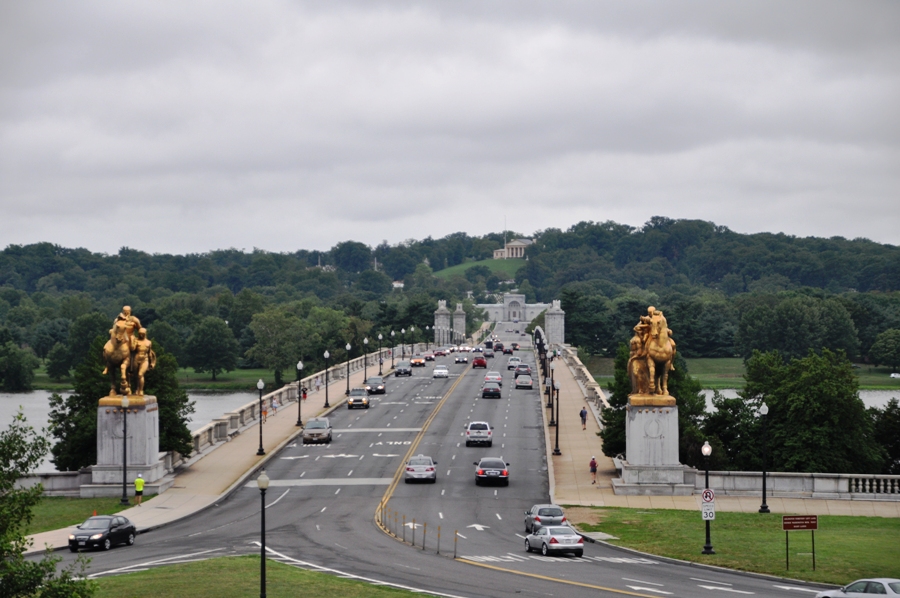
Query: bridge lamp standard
{"points": [[365, 359], [262, 482], [326, 356], [707, 451], [556, 450], [412, 330], [392, 349], [763, 412], [348, 368], [403, 343], [299, 392], [552, 387], [427, 341], [260, 385], [380, 356]]}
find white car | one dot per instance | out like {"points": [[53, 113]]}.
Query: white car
{"points": [[895, 375], [440, 371], [513, 362], [494, 377], [479, 433], [865, 587]]}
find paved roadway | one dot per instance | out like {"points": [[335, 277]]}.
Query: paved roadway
{"points": [[322, 501]]}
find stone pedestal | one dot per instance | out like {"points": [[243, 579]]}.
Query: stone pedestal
{"points": [[142, 440], [651, 464]]}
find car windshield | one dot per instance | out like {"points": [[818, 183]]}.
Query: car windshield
{"points": [[96, 523], [314, 425], [492, 464], [478, 426], [420, 461], [550, 512], [403, 364], [358, 391], [561, 531], [440, 367], [375, 380]]}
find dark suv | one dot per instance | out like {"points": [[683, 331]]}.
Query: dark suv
{"points": [[523, 370], [403, 369]]}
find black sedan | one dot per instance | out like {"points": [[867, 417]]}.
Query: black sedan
{"points": [[491, 390], [102, 532], [491, 469], [375, 385]]}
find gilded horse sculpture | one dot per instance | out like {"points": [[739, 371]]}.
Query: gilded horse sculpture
{"points": [[117, 352], [652, 353]]}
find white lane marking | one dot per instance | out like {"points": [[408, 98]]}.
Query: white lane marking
{"points": [[479, 527], [723, 589], [292, 458], [795, 588], [521, 536], [377, 455], [709, 581], [371, 444], [495, 493], [442, 491], [502, 446], [498, 516], [457, 444], [360, 578], [643, 589], [274, 502], [323, 509], [650, 583], [302, 474], [338, 491], [156, 562], [441, 515], [448, 472], [318, 529], [317, 457], [340, 456], [453, 458], [461, 536], [350, 474], [361, 457]]}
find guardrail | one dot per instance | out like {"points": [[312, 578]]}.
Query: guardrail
{"points": [[592, 390], [844, 486]]}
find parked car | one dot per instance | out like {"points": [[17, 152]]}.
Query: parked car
{"points": [[420, 467], [895, 375], [522, 370], [542, 515], [417, 361], [865, 587], [479, 362], [513, 362], [479, 433], [491, 390], [359, 397], [440, 371], [493, 376], [524, 382], [460, 358], [375, 385], [403, 368], [102, 532], [317, 429], [555, 539], [491, 469]]}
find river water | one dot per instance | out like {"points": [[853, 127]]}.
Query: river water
{"points": [[870, 398], [36, 407]]}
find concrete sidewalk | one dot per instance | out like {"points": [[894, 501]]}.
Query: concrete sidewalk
{"points": [[226, 467], [571, 483]]}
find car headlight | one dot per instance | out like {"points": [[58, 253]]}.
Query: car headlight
{"points": [[71, 536], [97, 536]]}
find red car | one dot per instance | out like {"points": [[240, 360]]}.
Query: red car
{"points": [[479, 362]]}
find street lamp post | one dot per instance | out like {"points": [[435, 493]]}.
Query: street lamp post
{"points": [[365, 359], [427, 340], [403, 343], [380, 357], [412, 330], [392, 349], [262, 482], [299, 391], [764, 411], [556, 450], [550, 398], [327, 355], [348, 368], [260, 385], [707, 451], [124, 500]]}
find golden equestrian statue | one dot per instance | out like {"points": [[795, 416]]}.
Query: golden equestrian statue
{"points": [[125, 339], [652, 353]]}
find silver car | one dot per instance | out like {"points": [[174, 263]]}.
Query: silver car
{"points": [[479, 433], [318, 429], [555, 539], [542, 516], [420, 467], [865, 587], [440, 371]]}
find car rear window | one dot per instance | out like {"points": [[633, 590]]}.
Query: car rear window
{"points": [[561, 531], [550, 512], [493, 464], [420, 461], [478, 427]]}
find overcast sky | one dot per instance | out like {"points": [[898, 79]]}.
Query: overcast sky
{"points": [[184, 127]]}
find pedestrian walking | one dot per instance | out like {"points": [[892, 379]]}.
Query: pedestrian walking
{"points": [[583, 415], [265, 412], [303, 392], [274, 407], [318, 384], [593, 465], [138, 489]]}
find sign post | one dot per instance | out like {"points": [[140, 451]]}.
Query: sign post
{"points": [[794, 523]]}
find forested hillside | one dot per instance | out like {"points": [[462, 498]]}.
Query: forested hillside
{"points": [[724, 294]]}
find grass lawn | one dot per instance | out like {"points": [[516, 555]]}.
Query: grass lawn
{"points": [[505, 269], [58, 512], [847, 548], [237, 577]]}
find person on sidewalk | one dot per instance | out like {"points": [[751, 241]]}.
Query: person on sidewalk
{"points": [[593, 465], [265, 412], [583, 415], [274, 407], [138, 489], [318, 385]]}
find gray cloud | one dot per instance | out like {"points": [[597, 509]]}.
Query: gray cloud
{"points": [[282, 125]]}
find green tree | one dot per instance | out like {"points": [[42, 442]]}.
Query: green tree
{"points": [[277, 334], [372, 281], [16, 368], [58, 362], [816, 420], [48, 333], [352, 256], [21, 450], [212, 348], [887, 433], [174, 405], [82, 333], [886, 349], [164, 334]]}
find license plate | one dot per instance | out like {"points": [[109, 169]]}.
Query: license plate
{"points": [[493, 473], [81, 543]]}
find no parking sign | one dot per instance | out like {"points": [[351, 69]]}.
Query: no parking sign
{"points": [[708, 508]]}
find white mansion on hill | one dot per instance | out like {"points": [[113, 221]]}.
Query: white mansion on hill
{"points": [[512, 249]]}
